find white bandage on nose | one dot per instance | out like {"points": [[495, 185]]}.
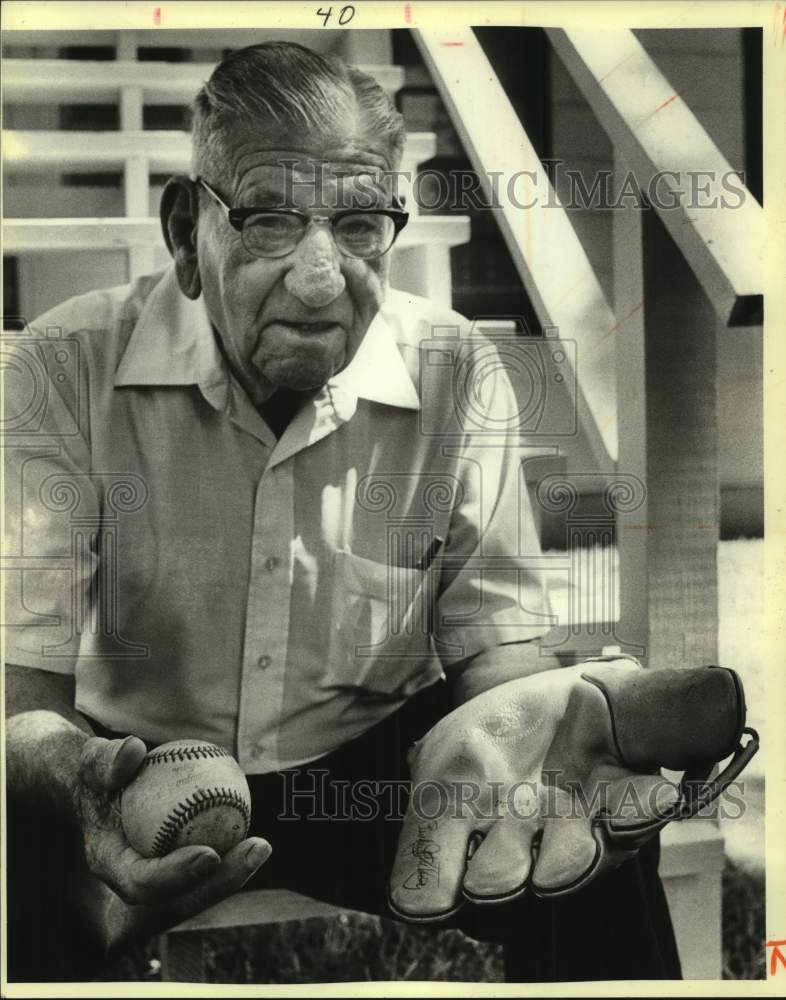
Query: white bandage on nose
{"points": [[316, 278]]}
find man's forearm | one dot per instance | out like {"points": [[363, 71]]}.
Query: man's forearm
{"points": [[492, 667], [44, 738]]}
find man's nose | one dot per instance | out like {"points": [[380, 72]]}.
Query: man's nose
{"points": [[315, 277]]}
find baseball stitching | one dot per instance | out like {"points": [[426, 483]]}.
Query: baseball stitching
{"points": [[195, 804], [184, 753]]}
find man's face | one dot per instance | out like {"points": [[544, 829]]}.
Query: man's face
{"points": [[292, 321]]}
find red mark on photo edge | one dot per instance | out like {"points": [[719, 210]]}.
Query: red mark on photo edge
{"points": [[451, 45], [777, 955], [157, 17], [408, 13]]}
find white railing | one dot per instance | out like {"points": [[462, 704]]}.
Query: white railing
{"points": [[68, 81], [42, 235], [138, 153]]}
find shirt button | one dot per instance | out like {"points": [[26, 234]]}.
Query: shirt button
{"points": [[257, 751], [263, 662], [271, 564]]}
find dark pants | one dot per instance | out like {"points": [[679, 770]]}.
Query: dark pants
{"points": [[338, 845]]}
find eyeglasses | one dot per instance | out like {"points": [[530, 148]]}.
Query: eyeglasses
{"points": [[275, 232]]}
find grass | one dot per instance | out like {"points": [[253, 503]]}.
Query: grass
{"points": [[743, 924], [360, 948], [350, 948], [353, 948]]}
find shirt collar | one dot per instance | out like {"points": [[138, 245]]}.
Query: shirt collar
{"points": [[173, 343], [378, 372]]}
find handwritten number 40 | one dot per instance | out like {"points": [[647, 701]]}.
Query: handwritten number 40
{"points": [[345, 15]]}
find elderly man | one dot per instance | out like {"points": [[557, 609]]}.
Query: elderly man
{"points": [[251, 511]]}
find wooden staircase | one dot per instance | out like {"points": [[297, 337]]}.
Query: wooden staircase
{"points": [[81, 206]]}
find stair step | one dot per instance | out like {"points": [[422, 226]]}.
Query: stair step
{"points": [[69, 81], [94, 152], [45, 235], [177, 31]]}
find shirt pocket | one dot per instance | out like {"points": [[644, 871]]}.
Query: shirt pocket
{"points": [[380, 641]]}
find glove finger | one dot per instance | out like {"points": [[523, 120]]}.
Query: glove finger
{"points": [[576, 847], [570, 851], [637, 807], [428, 870], [500, 866]]}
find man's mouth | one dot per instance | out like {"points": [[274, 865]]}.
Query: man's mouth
{"points": [[320, 326]]}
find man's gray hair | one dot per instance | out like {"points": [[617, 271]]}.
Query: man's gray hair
{"points": [[288, 84]]}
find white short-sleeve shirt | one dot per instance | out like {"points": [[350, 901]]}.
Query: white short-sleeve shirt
{"points": [[203, 579]]}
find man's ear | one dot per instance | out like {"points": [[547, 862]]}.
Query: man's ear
{"points": [[179, 214]]}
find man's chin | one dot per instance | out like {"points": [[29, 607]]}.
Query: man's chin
{"points": [[301, 362], [301, 377]]}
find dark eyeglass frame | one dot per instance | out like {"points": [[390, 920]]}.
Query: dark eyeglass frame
{"points": [[238, 216]]}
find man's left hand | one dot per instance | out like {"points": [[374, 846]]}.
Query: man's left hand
{"points": [[545, 781]]}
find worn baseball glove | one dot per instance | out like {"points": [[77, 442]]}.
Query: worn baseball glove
{"points": [[544, 782]]}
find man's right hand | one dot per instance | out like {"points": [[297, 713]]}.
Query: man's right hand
{"points": [[155, 892]]}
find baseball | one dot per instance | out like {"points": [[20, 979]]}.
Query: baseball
{"points": [[186, 792]]}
